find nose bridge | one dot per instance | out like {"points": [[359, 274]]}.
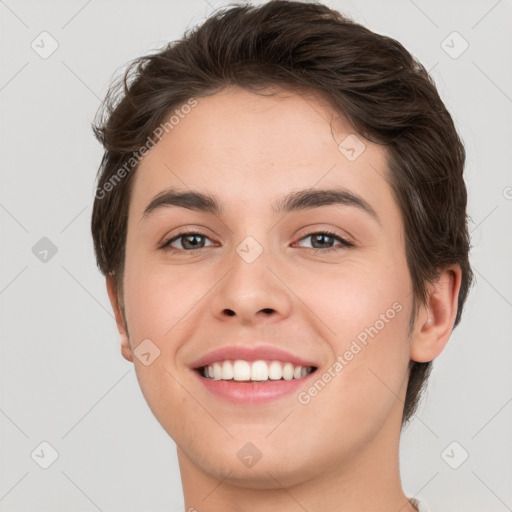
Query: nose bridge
{"points": [[251, 288]]}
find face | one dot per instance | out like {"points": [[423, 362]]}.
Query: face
{"points": [[324, 279]]}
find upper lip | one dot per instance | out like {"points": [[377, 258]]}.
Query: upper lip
{"points": [[250, 354]]}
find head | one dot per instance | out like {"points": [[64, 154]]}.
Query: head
{"points": [[252, 106]]}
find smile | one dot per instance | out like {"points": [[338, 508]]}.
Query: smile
{"points": [[245, 383], [254, 371]]}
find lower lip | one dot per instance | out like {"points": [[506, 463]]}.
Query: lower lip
{"points": [[253, 393]]}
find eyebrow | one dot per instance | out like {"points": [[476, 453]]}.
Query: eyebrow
{"points": [[295, 201]]}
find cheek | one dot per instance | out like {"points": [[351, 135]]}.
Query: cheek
{"points": [[157, 304], [368, 314], [352, 298], [375, 355], [159, 298], [354, 396]]}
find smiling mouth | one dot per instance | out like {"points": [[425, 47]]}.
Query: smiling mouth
{"points": [[254, 371]]}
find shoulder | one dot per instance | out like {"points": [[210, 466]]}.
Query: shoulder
{"points": [[420, 505]]}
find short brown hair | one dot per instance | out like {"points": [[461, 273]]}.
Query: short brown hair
{"points": [[371, 79]]}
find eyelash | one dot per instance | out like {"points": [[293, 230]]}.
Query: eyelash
{"points": [[344, 244]]}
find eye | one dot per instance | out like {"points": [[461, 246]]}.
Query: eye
{"points": [[189, 241], [192, 241], [326, 238]]}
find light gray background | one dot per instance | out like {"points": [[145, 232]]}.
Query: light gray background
{"points": [[63, 378]]}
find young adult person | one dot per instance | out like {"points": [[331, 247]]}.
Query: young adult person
{"points": [[281, 220]]}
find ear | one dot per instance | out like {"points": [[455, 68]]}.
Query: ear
{"points": [[434, 322], [126, 350]]}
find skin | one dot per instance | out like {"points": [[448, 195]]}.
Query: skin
{"points": [[341, 449]]}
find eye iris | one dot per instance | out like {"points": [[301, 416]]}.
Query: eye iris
{"points": [[321, 236], [193, 245]]}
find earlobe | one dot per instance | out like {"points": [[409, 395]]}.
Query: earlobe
{"points": [[435, 319], [126, 350]]}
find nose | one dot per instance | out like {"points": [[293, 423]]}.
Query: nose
{"points": [[252, 291]]}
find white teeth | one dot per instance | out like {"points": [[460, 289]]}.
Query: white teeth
{"points": [[227, 370], [288, 371], [217, 371], [275, 371], [258, 371], [241, 370]]}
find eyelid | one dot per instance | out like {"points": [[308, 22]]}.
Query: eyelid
{"points": [[319, 228], [344, 243], [184, 232]]}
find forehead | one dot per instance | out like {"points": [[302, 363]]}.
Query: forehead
{"points": [[251, 150]]}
